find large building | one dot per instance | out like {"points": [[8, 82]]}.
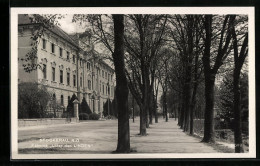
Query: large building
{"points": [[69, 65]]}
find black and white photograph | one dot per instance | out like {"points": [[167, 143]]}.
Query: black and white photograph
{"points": [[160, 82]]}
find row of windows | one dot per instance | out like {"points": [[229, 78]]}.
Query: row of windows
{"points": [[61, 75], [61, 53], [61, 99], [102, 89], [74, 79], [60, 50], [106, 75]]}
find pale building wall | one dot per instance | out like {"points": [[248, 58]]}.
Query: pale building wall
{"points": [[59, 63], [24, 46], [46, 57]]}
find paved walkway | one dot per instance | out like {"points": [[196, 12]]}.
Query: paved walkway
{"points": [[101, 137]]}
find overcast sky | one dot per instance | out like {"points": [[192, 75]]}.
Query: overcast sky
{"points": [[68, 26]]}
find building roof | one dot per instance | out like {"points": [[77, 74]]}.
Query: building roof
{"points": [[25, 20]]}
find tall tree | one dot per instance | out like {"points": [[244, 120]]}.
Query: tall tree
{"points": [[163, 75], [223, 46], [123, 144], [239, 58], [143, 40], [186, 35]]}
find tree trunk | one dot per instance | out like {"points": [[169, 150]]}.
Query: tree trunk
{"points": [[165, 106], [156, 116], [179, 112], [147, 117], [142, 121], [192, 111], [133, 105], [209, 133], [155, 104], [151, 108], [155, 110], [182, 114], [123, 144], [194, 93], [187, 106], [192, 108], [150, 116], [237, 112], [175, 112], [239, 61]]}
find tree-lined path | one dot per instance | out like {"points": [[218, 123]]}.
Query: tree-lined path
{"points": [[101, 136], [189, 66]]}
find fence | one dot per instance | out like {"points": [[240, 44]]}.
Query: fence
{"points": [[43, 121]]}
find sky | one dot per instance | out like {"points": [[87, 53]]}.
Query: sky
{"points": [[67, 25]]}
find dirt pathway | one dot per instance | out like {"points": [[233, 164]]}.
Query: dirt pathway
{"points": [[101, 137]]}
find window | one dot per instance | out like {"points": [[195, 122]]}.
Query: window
{"points": [[61, 51], [111, 77], [44, 71], [68, 78], [44, 44], [103, 73], [61, 100], [74, 59], [68, 99], [88, 65], [81, 81], [61, 76], [100, 86], [80, 62], [68, 55], [89, 84], [52, 48], [53, 73], [108, 89], [74, 80], [54, 96], [103, 88], [108, 77]]}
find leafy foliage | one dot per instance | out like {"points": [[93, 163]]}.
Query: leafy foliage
{"points": [[83, 116], [84, 107], [33, 100], [226, 96], [70, 107], [94, 116], [106, 112]]}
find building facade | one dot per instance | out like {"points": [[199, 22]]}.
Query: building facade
{"points": [[69, 65]]}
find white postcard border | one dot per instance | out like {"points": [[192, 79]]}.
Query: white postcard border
{"points": [[250, 11]]}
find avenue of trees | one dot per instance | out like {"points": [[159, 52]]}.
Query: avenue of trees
{"points": [[186, 57]]}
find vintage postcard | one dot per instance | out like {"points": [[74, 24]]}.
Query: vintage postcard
{"points": [[133, 82]]}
